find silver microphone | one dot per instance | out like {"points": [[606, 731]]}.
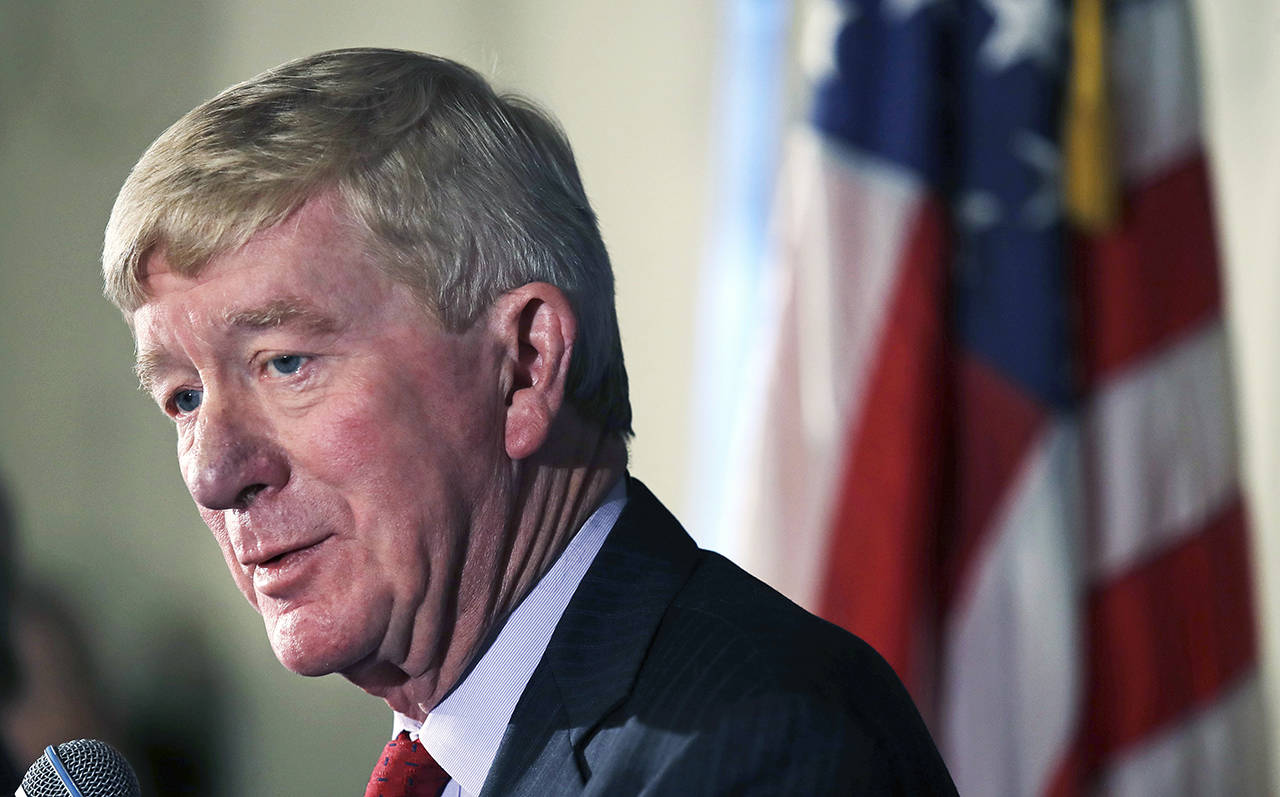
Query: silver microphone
{"points": [[82, 768]]}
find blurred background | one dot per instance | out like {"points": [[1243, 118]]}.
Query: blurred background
{"points": [[681, 114]]}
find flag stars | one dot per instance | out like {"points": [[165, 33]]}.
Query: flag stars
{"points": [[1044, 205], [978, 211], [1022, 29], [902, 10], [822, 25], [981, 210]]}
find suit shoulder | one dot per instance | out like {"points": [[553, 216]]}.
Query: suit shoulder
{"points": [[730, 647], [784, 642]]}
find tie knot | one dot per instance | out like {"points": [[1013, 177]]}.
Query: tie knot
{"points": [[406, 769]]}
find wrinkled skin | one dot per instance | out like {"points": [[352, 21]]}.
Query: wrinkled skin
{"points": [[373, 480]]}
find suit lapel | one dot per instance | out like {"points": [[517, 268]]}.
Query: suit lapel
{"points": [[597, 648]]}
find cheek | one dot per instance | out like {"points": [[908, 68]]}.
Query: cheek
{"points": [[357, 439], [395, 424], [186, 459], [411, 461], [216, 525]]}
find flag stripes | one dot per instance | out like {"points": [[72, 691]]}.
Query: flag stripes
{"points": [[1215, 752], [1151, 279], [996, 425], [1162, 452], [1000, 450], [1010, 667], [1188, 604], [814, 367], [887, 482]]}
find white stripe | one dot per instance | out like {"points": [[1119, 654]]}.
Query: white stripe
{"points": [[844, 223], [1155, 96], [1222, 750], [1011, 662], [1163, 444]]}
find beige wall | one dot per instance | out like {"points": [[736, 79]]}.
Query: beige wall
{"points": [[85, 86], [1240, 64]]}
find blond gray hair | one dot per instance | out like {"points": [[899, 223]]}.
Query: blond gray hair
{"points": [[462, 194]]}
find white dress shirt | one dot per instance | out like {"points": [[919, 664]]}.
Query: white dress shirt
{"points": [[463, 732]]}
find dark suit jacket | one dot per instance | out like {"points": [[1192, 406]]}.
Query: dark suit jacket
{"points": [[674, 672]]}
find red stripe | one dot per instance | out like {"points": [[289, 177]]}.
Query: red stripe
{"points": [[1148, 283], [879, 576], [996, 423], [1164, 639]]}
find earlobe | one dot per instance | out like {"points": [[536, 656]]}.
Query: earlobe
{"points": [[538, 327]]}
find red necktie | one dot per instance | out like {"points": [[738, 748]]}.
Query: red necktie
{"points": [[406, 769]]}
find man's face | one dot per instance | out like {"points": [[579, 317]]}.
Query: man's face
{"points": [[343, 448]]}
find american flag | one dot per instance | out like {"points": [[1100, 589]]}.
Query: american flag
{"points": [[994, 435]]}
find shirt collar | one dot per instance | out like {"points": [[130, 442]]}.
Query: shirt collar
{"points": [[464, 731]]}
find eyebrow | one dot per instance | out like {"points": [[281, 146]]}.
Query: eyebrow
{"points": [[148, 365], [287, 311]]}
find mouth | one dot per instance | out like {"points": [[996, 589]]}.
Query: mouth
{"points": [[279, 558], [281, 573]]}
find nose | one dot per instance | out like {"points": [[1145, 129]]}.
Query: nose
{"points": [[231, 457]]}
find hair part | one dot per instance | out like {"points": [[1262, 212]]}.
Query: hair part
{"points": [[460, 193]]}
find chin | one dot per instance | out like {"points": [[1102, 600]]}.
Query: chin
{"points": [[311, 648], [302, 662]]}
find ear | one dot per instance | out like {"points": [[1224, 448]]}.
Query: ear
{"points": [[537, 328]]}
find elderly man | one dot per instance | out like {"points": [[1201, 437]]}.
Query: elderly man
{"points": [[373, 298]]}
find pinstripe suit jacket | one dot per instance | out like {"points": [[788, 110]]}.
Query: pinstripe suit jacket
{"points": [[673, 672]]}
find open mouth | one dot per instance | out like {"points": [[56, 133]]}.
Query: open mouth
{"points": [[278, 558], [283, 559], [285, 570]]}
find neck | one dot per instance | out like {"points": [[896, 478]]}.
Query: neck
{"points": [[551, 496], [554, 501]]}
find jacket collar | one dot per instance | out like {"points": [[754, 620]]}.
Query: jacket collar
{"points": [[601, 641], [595, 653]]}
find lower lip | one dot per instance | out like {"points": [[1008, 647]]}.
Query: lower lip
{"points": [[284, 573]]}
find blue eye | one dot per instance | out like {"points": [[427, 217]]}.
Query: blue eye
{"points": [[187, 400], [286, 363]]}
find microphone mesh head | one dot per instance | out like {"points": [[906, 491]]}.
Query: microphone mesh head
{"points": [[96, 767]]}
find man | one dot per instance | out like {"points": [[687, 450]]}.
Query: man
{"points": [[373, 298]]}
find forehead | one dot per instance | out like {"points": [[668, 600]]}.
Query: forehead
{"points": [[310, 271], [318, 234], [314, 252]]}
